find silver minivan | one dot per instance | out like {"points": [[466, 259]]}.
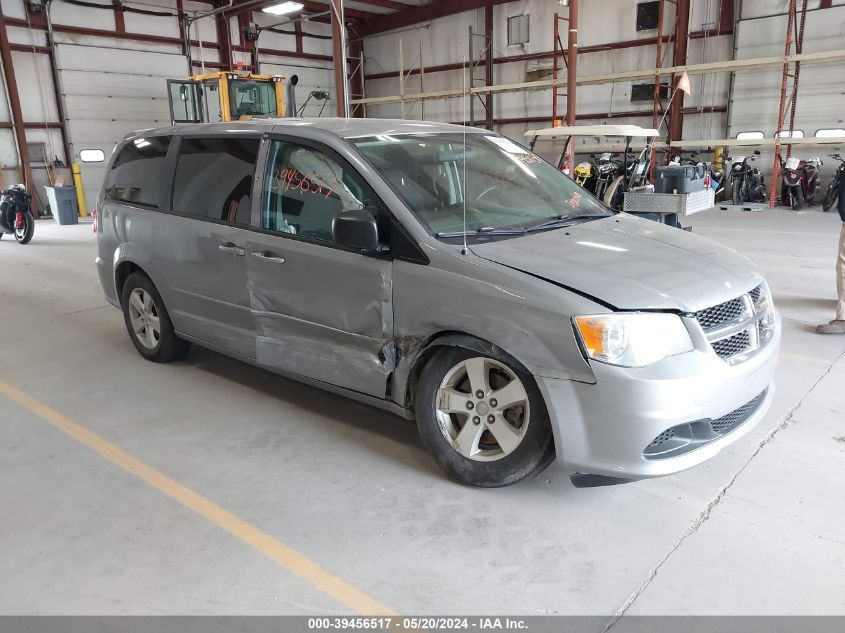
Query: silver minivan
{"points": [[446, 274]]}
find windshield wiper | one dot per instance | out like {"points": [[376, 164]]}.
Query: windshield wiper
{"points": [[563, 220], [485, 230]]}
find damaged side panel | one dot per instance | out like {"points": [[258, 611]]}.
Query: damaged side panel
{"points": [[521, 315], [322, 312]]}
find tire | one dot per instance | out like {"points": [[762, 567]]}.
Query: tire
{"points": [[612, 194], [832, 196], [796, 197], [24, 236], [442, 413], [736, 192], [142, 305]]}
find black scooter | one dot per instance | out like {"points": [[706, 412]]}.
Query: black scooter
{"points": [[16, 214]]}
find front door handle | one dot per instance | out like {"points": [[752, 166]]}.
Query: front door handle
{"points": [[268, 256], [231, 249]]}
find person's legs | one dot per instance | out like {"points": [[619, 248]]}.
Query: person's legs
{"points": [[840, 277], [837, 326]]}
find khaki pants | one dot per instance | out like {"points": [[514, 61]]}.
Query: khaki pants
{"points": [[840, 277]]}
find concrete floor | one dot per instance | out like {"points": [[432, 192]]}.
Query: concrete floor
{"points": [[758, 530]]}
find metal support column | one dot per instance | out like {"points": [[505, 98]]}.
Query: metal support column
{"points": [[485, 56], [658, 103], [341, 88], [488, 70], [571, 73], [782, 109], [679, 58], [11, 84], [558, 50], [221, 25], [799, 48], [356, 79]]}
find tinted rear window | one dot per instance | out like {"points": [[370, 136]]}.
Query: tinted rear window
{"points": [[214, 178], [138, 171]]}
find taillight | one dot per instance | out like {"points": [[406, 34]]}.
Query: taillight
{"points": [[94, 215]]}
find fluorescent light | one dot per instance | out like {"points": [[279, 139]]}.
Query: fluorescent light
{"points": [[283, 8]]}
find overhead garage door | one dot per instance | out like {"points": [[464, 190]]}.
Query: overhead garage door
{"points": [[112, 91]]}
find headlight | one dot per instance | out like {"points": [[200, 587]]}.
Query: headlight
{"points": [[634, 339], [763, 305]]}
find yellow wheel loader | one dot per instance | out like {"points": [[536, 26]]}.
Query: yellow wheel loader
{"points": [[226, 96]]}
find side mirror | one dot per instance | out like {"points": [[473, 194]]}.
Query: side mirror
{"points": [[356, 229]]}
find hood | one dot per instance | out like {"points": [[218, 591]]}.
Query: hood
{"points": [[630, 263]]}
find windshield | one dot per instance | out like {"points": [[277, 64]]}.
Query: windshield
{"points": [[505, 186], [252, 98]]}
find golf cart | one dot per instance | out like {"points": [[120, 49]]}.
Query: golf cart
{"points": [[614, 178], [624, 185]]}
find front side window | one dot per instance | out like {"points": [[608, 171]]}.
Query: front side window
{"points": [[137, 172], [491, 180], [252, 98], [305, 189], [214, 178]]}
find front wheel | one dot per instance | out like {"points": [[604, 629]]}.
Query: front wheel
{"points": [[736, 192], [613, 195], [24, 234], [832, 196], [482, 418]]}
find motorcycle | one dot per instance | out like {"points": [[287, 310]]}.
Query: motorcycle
{"points": [[16, 214], [608, 168], [800, 181], [832, 195], [719, 178], [635, 176], [747, 183], [585, 175]]}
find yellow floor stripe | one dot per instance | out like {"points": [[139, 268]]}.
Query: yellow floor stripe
{"points": [[808, 359], [276, 551]]}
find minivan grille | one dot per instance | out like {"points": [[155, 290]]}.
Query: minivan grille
{"points": [[721, 314], [738, 328], [729, 422], [733, 345]]}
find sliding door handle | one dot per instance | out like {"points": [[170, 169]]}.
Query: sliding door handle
{"points": [[269, 257], [231, 249]]}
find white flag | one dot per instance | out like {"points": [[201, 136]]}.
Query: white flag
{"points": [[683, 83]]}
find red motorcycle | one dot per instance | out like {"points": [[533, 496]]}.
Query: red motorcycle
{"points": [[800, 181], [16, 214]]}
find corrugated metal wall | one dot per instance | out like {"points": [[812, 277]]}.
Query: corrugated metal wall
{"points": [[445, 41], [116, 85]]}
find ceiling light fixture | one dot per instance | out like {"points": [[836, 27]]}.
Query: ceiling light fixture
{"points": [[283, 8]]}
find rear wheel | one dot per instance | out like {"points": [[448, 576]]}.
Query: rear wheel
{"points": [[482, 418], [148, 323], [832, 196], [24, 234], [797, 198]]}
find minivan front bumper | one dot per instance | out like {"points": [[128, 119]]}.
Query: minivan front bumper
{"points": [[694, 405]]}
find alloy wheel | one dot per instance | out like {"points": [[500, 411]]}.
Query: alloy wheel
{"points": [[144, 317], [482, 409]]}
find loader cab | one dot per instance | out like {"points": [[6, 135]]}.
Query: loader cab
{"points": [[225, 96]]}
